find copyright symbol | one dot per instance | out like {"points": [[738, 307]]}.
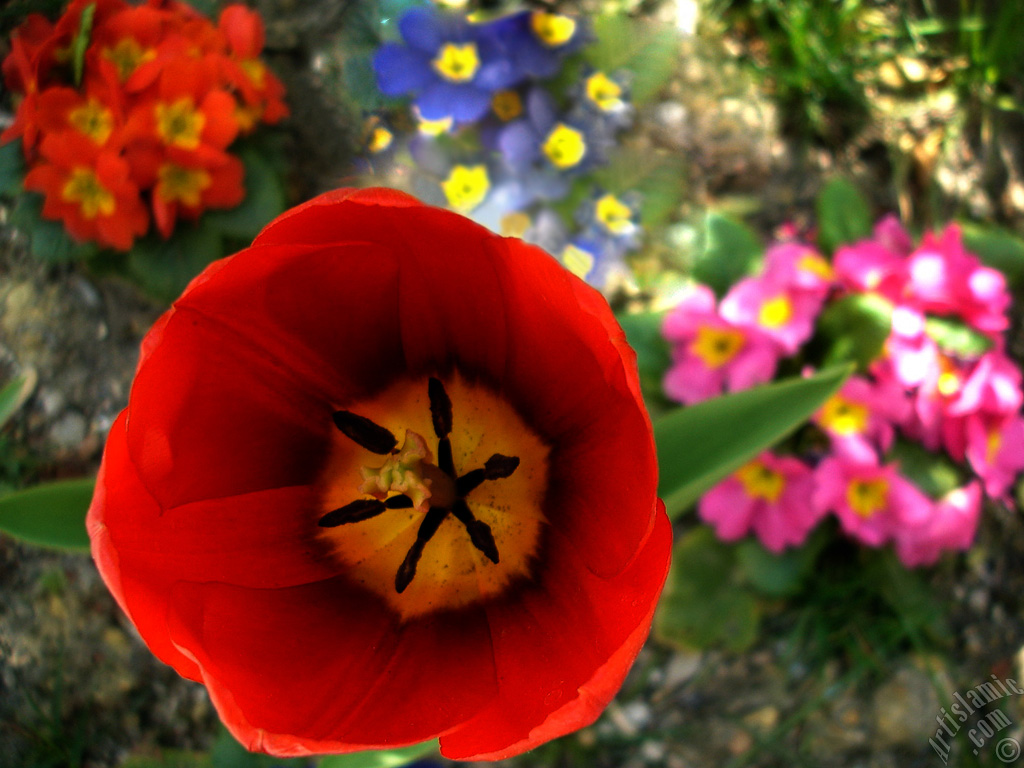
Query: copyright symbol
{"points": [[1008, 750]]}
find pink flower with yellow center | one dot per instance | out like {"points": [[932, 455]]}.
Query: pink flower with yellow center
{"points": [[872, 502], [770, 496], [777, 310], [943, 278], [711, 354], [950, 525], [859, 418], [798, 265], [995, 450]]}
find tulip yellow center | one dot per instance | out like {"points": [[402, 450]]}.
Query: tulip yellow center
{"points": [[450, 518], [564, 146], [761, 482], [866, 497], [85, 188], [457, 62], [716, 346]]}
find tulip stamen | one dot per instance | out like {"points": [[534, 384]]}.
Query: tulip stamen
{"points": [[437, 488], [365, 433], [429, 526]]}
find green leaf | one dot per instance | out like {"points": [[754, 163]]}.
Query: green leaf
{"points": [[957, 337], [164, 267], [647, 49], [169, 758], [653, 355], [857, 327], [777, 575], [51, 514], [387, 758], [15, 393], [701, 444], [702, 606], [48, 240], [226, 752], [998, 248], [731, 251], [81, 42], [843, 215], [12, 168], [658, 177], [933, 473], [264, 201]]}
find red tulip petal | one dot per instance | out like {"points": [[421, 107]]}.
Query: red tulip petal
{"points": [[563, 649], [215, 415], [324, 668]]}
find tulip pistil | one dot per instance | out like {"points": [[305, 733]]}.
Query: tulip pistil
{"points": [[436, 488]]}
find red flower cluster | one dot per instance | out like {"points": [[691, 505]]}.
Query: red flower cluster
{"points": [[162, 94], [386, 477]]}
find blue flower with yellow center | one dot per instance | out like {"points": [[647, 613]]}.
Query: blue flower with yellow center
{"points": [[450, 65], [543, 138], [537, 42]]}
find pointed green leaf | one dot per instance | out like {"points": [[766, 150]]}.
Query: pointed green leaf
{"points": [[51, 514], [731, 251], [15, 393], [387, 758], [701, 444], [81, 42], [843, 215]]}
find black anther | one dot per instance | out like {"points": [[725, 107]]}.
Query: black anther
{"points": [[354, 512], [365, 433], [429, 526], [440, 407]]}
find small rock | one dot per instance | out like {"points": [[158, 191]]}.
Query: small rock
{"points": [[905, 708], [69, 430]]}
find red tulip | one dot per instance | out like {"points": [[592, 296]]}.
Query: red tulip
{"points": [[385, 477]]}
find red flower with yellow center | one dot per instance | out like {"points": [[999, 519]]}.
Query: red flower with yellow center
{"points": [[386, 477], [262, 93], [90, 189]]}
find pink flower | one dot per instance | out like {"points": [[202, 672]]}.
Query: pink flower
{"points": [[870, 266], [771, 496], [890, 234], [779, 311], [951, 524], [798, 265], [945, 279], [992, 386], [711, 354], [995, 450], [872, 502], [860, 417]]}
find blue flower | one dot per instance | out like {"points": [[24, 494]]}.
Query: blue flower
{"points": [[608, 97], [607, 217], [600, 261], [566, 144], [537, 41], [450, 65]]}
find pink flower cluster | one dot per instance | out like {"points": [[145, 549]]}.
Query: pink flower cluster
{"points": [[965, 404]]}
